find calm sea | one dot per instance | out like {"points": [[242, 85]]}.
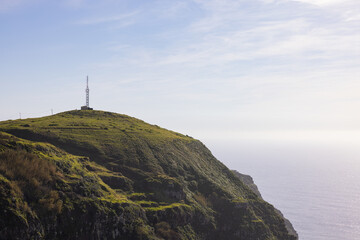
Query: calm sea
{"points": [[316, 186]]}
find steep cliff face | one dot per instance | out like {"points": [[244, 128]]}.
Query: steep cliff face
{"points": [[100, 175], [248, 181]]}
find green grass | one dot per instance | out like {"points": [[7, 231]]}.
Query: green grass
{"points": [[104, 127], [164, 207], [240, 200], [36, 165], [103, 136], [110, 160]]}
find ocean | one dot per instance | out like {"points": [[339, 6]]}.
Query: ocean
{"points": [[316, 186]]}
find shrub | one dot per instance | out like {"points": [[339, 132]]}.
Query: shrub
{"points": [[31, 177], [52, 202], [201, 199], [164, 230], [21, 165]]}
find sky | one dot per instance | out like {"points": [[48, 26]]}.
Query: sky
{"points": [[212, 69]]}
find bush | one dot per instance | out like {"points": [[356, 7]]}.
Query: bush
{"points": [[31, 177], [52, 202], [21, 165], [201, 199], [164, 230]]}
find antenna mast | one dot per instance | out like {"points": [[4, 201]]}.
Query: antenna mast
{"points": [[87, 92], [87, 106]]}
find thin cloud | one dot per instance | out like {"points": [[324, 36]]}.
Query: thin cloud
{"points": [[112, 19], [7, 5], [303, 37], [229, 33], [264, 59], [326, 2], [74, 3]]}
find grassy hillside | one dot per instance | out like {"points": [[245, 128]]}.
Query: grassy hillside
{"points": [[95, 174]]}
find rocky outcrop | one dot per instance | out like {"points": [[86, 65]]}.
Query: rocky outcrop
{"points": [[248, 181]]}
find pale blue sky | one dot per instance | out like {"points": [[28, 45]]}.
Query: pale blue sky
{"points": [[213, 69]]}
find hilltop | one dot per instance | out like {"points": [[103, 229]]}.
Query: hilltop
{"points": [[101, 175]]}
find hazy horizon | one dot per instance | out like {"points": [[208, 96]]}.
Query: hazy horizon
{"points": [[313, 185]]}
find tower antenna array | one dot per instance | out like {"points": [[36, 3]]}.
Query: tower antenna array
{"points": [[87, 91], [87, 106]]}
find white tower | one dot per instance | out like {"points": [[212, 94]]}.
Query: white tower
{"points": [[87, 106], [87, 92]]}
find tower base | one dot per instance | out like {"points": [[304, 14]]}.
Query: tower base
{"points": [[86, 108]]}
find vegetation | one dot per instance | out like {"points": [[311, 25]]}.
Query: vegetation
{"points": [[163, 229], [97, 175]]}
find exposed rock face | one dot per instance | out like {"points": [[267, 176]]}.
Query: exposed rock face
{"points": [[99, 175], [248, 181]]}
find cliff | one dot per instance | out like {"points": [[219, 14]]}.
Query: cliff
{"points": [[248, 181], [101, 175]]}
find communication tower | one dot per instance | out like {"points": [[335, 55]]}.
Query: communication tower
{"points": [[87, 106]]}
